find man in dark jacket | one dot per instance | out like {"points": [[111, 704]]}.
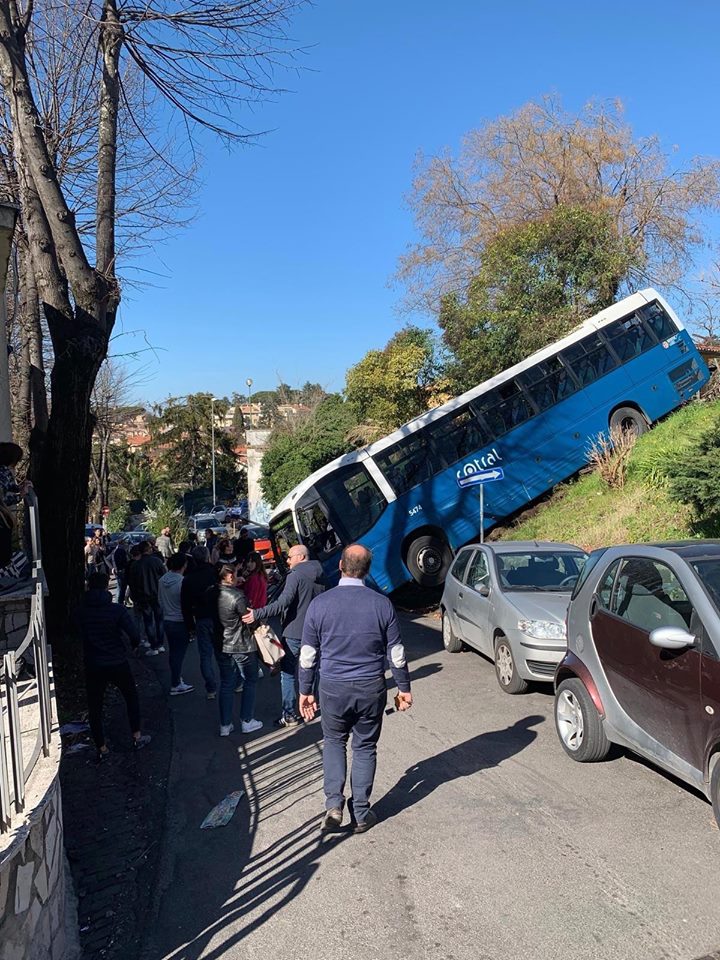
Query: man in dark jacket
{"points": [[143, 578], [120, 561], [197, 596], [351, 632], [236, 652], [302, 585], [104, 627]]}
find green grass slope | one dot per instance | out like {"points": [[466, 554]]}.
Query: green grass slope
{"points": [[590, 514]]}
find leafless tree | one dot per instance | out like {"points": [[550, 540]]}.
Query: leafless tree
{"points": [[518, 168], [202, 59]]}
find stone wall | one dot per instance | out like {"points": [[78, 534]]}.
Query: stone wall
{"points": [[36, 916]]}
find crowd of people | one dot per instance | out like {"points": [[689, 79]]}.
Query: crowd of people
{"points": [[335, 645]]}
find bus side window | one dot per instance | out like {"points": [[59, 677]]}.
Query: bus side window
{"points": [[504, 407], [407, 462], [658, 321], [547, 383], [455, 436], [589, 359], [628, 338]]}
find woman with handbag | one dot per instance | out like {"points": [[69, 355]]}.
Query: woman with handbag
{"points": [[255, 585]]}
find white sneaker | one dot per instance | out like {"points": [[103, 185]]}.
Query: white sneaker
{"points": [[160, 649], [152, 652], [182, 687], [251, 726], [226, 731]]}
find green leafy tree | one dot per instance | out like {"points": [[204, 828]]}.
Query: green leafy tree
{"points": [[535, 283], [294, 453], [182, 432], [391, 386], [165, 512], [695, 479], [118, 519]]}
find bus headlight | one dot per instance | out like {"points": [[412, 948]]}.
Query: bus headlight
{"points": [[543, 629]]}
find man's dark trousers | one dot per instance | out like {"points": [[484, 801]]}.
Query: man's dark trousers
{"points": [[347, 707]]}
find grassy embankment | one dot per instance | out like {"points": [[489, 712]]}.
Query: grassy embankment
{"points": [[587, 512]]}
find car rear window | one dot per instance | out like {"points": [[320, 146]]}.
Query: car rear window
{"points": [[460, 566]]}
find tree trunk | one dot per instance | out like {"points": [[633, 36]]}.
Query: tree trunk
{"points": [[62, 482]]}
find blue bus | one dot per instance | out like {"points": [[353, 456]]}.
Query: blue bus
{"points": [[402, 496]]}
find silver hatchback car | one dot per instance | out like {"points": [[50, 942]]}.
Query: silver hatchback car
{"points": [[509, 601]]}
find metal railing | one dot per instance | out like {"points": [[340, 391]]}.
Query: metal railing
{"points": [[25, 704]]}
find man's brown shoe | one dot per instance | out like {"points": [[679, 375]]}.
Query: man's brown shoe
{"points": [[364, 825], [333, 820]]}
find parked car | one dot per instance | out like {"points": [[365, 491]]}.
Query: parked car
{"points": [[132, 536], [509, 600], [643, 663], [202, 522]]}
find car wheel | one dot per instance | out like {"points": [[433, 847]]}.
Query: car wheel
{"points": [[428, 560], [578, 723], [451, 643], [715, 790], [505, 670], [630, 419]]}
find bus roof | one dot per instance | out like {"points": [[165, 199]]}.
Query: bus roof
{"points": [[601, 319]]}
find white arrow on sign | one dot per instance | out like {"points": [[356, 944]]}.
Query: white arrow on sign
{"points": [[483, 476]]}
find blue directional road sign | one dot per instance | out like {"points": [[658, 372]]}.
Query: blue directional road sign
{"points": [[483, 476]]}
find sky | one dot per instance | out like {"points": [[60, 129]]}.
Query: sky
{"points": [[285, 274]]}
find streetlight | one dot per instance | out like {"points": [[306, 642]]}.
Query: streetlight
{"points": [[249, 383], [213, 401]]}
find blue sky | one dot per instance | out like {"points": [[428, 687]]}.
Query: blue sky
{"points": [[284, 273]]}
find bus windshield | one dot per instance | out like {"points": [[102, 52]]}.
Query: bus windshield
{"points": [[411, 497]]}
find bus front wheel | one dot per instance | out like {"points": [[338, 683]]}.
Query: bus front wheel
{"points": [[628, 419], [428, 560]]}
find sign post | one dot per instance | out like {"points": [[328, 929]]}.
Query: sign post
{"points": [[480, 478]]}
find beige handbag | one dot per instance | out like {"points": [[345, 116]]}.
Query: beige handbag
{"points": [[269, 646]]}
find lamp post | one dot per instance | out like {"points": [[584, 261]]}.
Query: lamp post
{"points": [[213, 401], [249, 384]]}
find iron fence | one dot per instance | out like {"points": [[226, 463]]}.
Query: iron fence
{"points": [[25, 700]]}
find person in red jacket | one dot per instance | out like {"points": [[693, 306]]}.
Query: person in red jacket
{"points": [[255, 585]]}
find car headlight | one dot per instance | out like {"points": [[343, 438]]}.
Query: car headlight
{"points": [[543, 629]]}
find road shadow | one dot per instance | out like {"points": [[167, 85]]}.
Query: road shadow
{"points": [[463, 760]]}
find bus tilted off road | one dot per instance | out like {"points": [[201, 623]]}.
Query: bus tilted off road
{"points": [[402, 496]]}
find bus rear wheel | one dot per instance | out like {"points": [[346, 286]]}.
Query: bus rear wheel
{"points": [[628, 419], [428, 560]]}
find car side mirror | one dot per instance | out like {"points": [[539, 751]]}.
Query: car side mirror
{"points": [[483, 589], [671, 638]]}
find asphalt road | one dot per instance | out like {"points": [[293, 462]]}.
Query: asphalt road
{"points": [[492, 844]]}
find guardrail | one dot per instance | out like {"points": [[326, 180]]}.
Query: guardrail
{"points": [[25, 704]]}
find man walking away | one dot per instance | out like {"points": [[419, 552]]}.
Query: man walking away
{"points": [[143, 579], [302, 584], [103, 626], [354, 630], [236, 652], [120, 561], [164, 544], [176, 632], [197, 597]]}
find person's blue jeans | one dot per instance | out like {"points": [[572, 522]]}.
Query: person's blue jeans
{"points": [[121, 580], [357, 708], [232, 666], [204, 637], [289, 676], [178, 639], [153, 622]]}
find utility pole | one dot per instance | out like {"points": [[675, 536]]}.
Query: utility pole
{"points": [[213, 401]]}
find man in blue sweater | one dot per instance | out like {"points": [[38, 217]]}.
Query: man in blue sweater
{"points": [[353, 631]]}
